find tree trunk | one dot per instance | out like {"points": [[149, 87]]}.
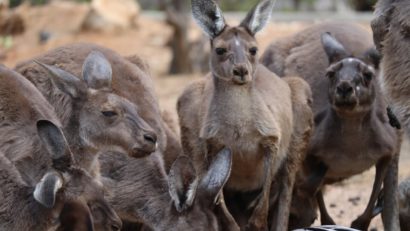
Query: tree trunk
{"points": [[181, 62], [296, 5], [178, 17]]}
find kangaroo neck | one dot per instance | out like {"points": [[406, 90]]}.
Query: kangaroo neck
{"points": [[223, 87], [351, 122]]}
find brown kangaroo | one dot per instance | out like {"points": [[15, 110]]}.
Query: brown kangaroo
{"points": [[93, 117], [352, 131], [38, 175], [182, 201], [243, 106], [129, 79]]}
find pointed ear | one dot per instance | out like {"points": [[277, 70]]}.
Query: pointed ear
{"points": [[208, 16], [182, 182], [97, 71], [76, 216], [372, 57], [335, 51], [217, 175], [46, 190], [65, 81], [259, 16], [54, 141]]}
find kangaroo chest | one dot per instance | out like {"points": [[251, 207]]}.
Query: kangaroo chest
{"points": [[350, 150], [243, 124]]}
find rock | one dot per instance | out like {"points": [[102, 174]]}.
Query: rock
{"points": [[111, 15]]}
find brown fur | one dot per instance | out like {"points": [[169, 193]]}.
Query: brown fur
{"points": [[243, 106], [174, 148], [131, 127], [348, 139], [26, 160], [140, 193]]}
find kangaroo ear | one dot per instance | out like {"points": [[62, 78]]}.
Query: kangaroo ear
{"points": [[76, 216], [335, 51], [182, 182], [217, 175], [97, 71], [208, 16], [65, 81], [259, 16], [54, 141], [373, 57], [46, 190]]}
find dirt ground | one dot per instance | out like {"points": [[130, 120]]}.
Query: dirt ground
{"points": [[345, 200]]}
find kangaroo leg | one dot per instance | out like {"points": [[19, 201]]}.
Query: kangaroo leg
{"points": [[390, 213], [226, 219], [259, 217], [286, 180], [363, 221], [325, 218]]}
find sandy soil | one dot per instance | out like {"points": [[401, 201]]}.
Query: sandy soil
{"points": [[345, 200]]}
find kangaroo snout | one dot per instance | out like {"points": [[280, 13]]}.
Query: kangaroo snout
{"points": [[146, 145], [344, 90], [240, 74]]}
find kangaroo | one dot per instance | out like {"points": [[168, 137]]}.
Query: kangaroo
{"points": [[93, 117], [182, 201], [390, 33], [37, 172], [241, 105], [352, 130], [404, 205], [129, 78]]}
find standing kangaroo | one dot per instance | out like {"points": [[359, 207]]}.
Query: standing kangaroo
{"points": [[241, 105], [93, 117], [352, 130], [38, 176], [391, 32]]}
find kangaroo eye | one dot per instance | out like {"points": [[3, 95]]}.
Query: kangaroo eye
{"points": [[220, 51], [330, 74], [253, 51], [368, 76], [109, 113]]}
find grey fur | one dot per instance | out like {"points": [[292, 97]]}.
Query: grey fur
{"points": [[97, 71], [93, 117], [242, 106], [352, 131], [140, 193], [259, 16], [36, 162], [208, 16]]}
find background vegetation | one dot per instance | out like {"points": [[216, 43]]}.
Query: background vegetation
{"points": [[228, 5]]}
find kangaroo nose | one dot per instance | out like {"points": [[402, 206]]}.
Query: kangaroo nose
{"points": [[240, 71], [344, 90], [151, 137]]}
